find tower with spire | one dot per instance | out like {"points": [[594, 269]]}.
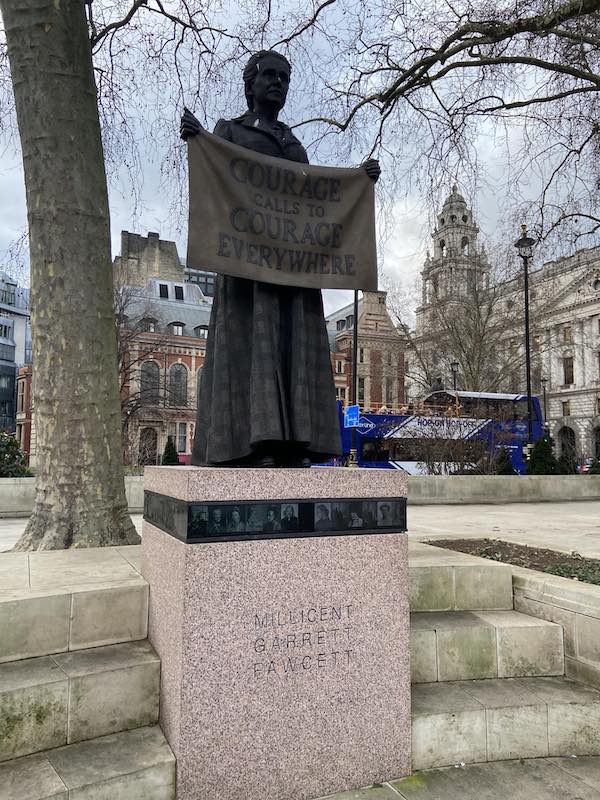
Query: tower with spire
{"points": [[458, 266]]}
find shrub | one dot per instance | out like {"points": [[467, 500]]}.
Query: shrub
{"points": [[12, 460], [542, 460], [594, 467], [503, 463], [170, 457]]}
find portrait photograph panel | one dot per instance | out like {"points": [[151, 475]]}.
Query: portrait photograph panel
{"points": [[340, 516], [369, 514], [385, 517], [323, 521], [289, 517], [355, 513]]}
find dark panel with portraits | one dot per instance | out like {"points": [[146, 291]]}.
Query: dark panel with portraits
{"points": [[280, 519]]}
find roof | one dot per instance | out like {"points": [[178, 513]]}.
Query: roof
{"points": [[168, 311], [478, 395]]}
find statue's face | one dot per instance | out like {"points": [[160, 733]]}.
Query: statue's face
{"points": [[270, 87]]}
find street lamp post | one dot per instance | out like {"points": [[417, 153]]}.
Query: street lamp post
{"points": [[454, 366], [544, 381], [524, 247]]}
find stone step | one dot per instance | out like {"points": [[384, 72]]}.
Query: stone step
{"points": [[56, 700], [501, 719], [56, 601], [134, 765], [443, 580], [466, 645]]}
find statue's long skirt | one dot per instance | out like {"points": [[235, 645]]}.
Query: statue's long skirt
{"points": [[267, 374]]}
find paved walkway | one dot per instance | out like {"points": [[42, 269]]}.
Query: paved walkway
{"points": [[558, 526], [532, 779]]}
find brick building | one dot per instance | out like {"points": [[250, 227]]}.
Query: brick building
{"points": [[380, 354], [24, 412]]}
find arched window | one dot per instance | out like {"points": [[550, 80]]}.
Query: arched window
{"points": [[148, 324], [201, 331], [443, 248], [177, 328], [178, 385], [567, 442], [464, 245], [148, 446], [149, 383]]}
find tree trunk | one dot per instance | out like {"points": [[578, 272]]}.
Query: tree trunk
{"points": [[80, 498]]}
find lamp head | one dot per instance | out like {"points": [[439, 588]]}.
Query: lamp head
{"points": [[525, 244]]}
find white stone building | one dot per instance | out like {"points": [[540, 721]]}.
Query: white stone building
{"points": [[565, 328]]}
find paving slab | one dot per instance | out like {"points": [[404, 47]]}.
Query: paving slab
{"points": [[535, 779], [136, 765], [31, 778], [568, 526]]}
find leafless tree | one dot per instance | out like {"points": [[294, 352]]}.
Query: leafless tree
{"points": [[414, 82]]}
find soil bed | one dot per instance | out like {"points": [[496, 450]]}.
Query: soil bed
{"points": [[567, 566]]}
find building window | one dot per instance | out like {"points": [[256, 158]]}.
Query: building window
{"points": [[361, 390], [177, 328], [206, 282], [163, 290], [21, 396], [340, 324], [350, 321], [566, 408], [178, 385], [201, 331], [148, 325], [361, 355], [340, 392], [179, 293], [339, 367], [181, 437], [568, 334], [389, 391], [149, 383], [5, 331], [7, 352], [568, 370], [4, 382]]}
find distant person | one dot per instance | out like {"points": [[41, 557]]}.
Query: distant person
{"points": [[289, 521], [323, 522], [271, 524]]}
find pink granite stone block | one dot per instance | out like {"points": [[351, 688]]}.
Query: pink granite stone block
{"points": [[284, 662]]}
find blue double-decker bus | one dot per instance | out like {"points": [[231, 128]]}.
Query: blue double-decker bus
{"points": [[448, 433]]}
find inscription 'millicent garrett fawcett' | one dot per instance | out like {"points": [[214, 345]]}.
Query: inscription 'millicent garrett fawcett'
{"points": [[322, 639]]}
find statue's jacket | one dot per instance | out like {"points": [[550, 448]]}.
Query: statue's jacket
{"points": [[267, 372]]}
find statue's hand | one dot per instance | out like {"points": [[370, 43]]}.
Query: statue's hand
{"points": [[372, 168], [189, 125]]}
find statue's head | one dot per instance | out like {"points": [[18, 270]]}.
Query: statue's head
{"points": [[267, 79]]}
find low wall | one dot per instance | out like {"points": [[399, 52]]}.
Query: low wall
{"points": [[574, 605], [468, 489], [17, 495]]}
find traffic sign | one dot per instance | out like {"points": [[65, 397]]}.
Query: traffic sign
{"points": [[351, 414]]}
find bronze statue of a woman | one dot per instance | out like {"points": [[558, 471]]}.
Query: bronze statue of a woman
{"points": [[267, 394]]}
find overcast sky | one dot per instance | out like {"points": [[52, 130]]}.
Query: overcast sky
{"points": [[402, 244]]}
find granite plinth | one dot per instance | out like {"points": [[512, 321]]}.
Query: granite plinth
{"points": [[284, 662]]}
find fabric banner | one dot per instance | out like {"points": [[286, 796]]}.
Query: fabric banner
{"points": [[279, 221]]}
